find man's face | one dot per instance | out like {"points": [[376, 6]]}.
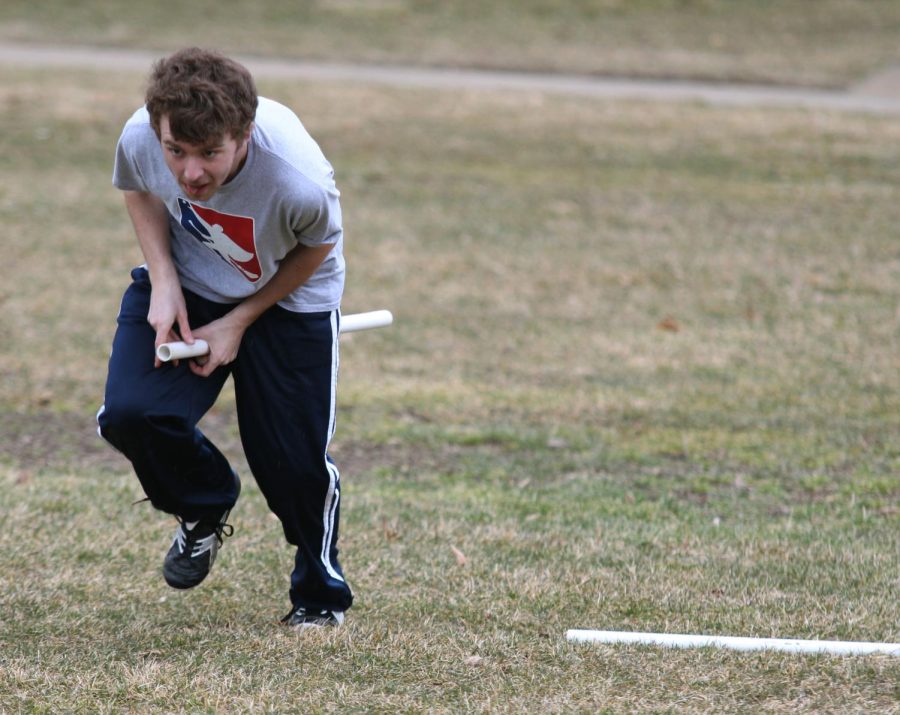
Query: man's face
{"points": [[202, 169]]}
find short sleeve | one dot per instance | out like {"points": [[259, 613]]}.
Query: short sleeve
{"points": [[126, 172], [319, 220]]}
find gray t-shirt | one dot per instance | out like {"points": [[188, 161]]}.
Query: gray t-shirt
{"points": [[227, 248]]}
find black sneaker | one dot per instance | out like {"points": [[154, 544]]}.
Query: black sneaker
{"points": [[301, 618], [193, 551], [194, 548]]}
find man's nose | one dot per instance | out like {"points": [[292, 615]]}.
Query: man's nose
{"points": [[193, 169]]}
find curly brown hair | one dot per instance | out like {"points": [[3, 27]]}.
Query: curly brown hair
{"points": [[206, 96]]}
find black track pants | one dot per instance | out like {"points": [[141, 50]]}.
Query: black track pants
{"points": [[285, 377]]}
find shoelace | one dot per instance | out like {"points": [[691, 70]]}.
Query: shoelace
{"points": [[220, 530]]}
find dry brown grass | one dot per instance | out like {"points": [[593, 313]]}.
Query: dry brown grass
{"points": [[525, 450], [828, 43]]}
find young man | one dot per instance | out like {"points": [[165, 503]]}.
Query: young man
{"points": [[237, 215]]}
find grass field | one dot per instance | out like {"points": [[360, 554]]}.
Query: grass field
{"points": [[825, 42], [643, 376]]}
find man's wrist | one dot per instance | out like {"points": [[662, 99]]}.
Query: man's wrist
{"points": [[163, 275], [244, 314]]}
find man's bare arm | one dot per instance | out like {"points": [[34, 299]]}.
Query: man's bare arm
{"points": [[224, 335], [151, 225]]}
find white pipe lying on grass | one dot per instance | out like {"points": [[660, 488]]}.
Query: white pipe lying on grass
{"points": [[349, 323], [788, 645]]}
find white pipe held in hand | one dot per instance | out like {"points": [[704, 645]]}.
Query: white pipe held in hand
{"points": [[181, 350], [349, 323], [365, 321]]}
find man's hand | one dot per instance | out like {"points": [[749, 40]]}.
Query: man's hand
{"points": [[168, 312], [224, 337]]}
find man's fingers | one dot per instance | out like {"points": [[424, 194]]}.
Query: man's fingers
{"points": [[201, 369], [162, 336], [185, 328]]}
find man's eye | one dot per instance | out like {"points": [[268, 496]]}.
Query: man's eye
{"points": [[174, 151], [210, 153]]}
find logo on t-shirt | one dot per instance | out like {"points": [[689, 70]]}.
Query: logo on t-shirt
{"points": [[231, 237]]}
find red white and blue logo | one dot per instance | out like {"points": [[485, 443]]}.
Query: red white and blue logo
{"points": [[230, 237]]}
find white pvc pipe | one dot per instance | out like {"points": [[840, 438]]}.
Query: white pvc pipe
{"points": [[365, 321], [180, 350], [788, 645], [349, 323]]}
